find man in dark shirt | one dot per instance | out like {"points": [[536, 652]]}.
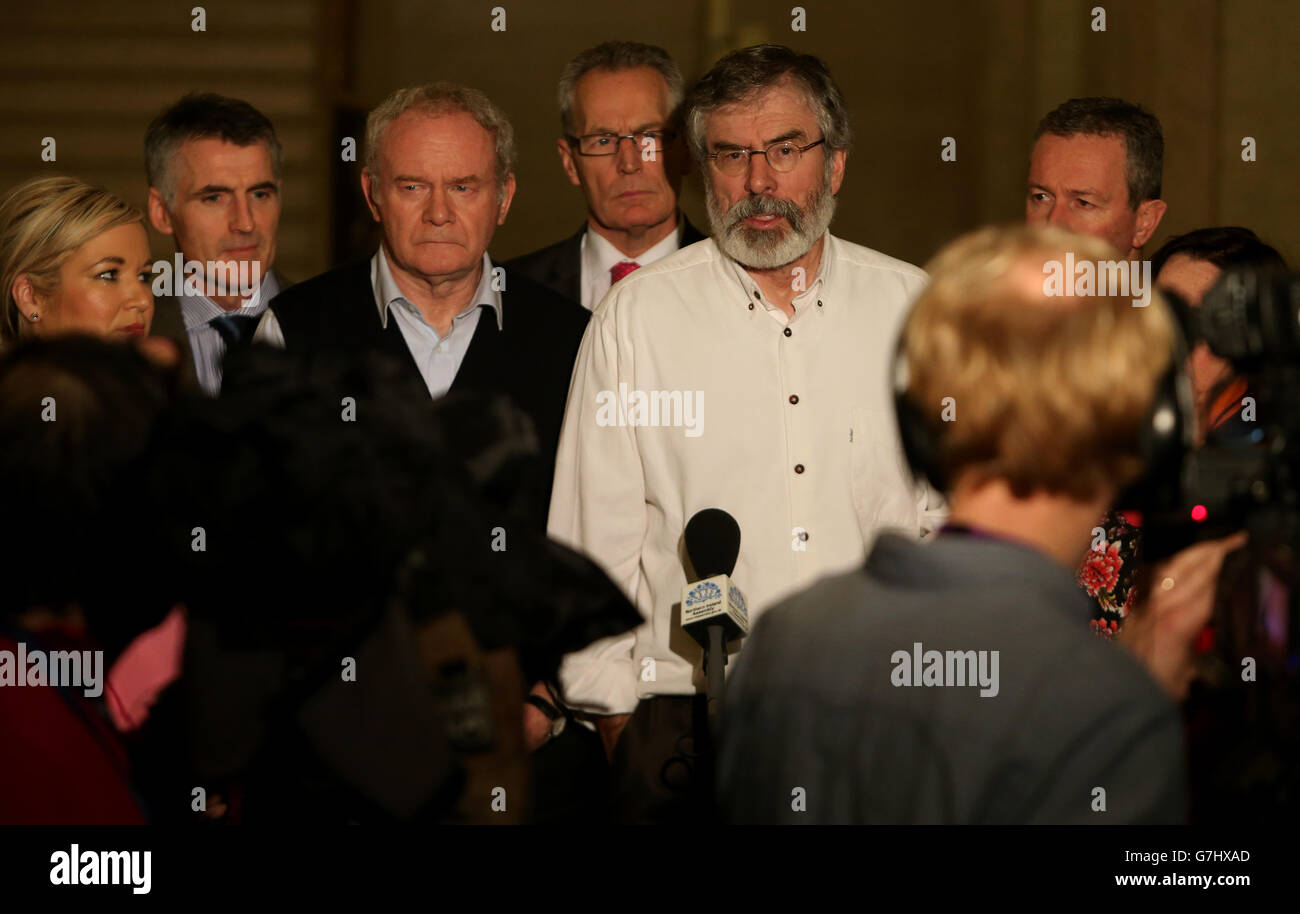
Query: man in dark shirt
{"points": [[950, 681]]}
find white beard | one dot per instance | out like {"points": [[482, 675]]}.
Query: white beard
{"points": [[769, 249]]}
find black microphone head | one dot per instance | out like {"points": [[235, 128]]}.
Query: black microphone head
{"points": [[712, 542]]}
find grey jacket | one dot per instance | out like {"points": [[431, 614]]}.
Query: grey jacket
{"points": [[815, 729]]}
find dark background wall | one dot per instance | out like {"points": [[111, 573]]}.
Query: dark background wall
{"points": [[1214, 71]]}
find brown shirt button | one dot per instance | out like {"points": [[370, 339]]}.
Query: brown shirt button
{"points": [[794, 398], [798, 467], [789, 332], [751, 306]]}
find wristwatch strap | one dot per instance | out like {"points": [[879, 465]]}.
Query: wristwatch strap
{"points": [[553, 714]]}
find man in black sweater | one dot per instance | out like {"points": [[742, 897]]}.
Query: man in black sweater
{"points": [[438, 178]]}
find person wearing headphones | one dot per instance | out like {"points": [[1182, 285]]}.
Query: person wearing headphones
{"points": [[951, 681]]}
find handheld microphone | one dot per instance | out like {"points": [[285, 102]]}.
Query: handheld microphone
{"points": [[713, 608]]}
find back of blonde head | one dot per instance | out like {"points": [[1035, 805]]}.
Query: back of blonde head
{"points": [[1050, 392], [42, 223]]}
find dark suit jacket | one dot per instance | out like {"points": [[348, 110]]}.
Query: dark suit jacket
{"points": [[530, 359], [169, 321], [818, 700], [559, 266]]}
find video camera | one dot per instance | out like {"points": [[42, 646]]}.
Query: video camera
{"points": [[1247, 480]]}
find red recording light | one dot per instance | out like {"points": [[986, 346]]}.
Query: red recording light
{"points": [[1199, 513]]}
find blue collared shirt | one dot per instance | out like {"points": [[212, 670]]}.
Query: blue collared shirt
{"points": [[438, 357], [208, 346]]}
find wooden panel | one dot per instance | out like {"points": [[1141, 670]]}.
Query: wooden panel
{"points": [[1260, 98], [92, 76]]}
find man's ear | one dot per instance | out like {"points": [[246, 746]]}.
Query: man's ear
{"points": [[1149, 214], [367, 191], [567, 162], [158, 212], [506, 198], [839, 157]]}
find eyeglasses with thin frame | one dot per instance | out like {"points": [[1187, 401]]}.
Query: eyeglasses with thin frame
{"points": [[607, 144], [782, 156]]}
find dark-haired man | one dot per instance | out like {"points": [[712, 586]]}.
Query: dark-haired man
{"points": [[214, 185], [1096, 170]]}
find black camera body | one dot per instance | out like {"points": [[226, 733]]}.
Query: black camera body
{"points": [[1248, 479]]}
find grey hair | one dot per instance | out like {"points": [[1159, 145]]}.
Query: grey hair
{"points": [[614, 56], [740, 74], [200, 116], [438, 99]]}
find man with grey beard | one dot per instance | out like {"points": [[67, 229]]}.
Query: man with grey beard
{"points": [[776, 337]]}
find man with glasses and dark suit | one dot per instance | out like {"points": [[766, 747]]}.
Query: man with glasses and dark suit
{"points": [[618, 110]]}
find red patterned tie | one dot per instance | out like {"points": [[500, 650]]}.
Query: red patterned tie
{"points": [[619, 270]]}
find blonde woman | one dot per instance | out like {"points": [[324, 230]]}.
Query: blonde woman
{"points": [[74, 258]]}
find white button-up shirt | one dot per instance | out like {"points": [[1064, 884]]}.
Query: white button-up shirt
{"points": [[599, 257], [792, 432]]}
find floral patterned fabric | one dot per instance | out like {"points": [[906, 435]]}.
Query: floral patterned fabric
{"points": [[1107, 571]]}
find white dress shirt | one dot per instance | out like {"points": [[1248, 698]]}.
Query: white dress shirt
{"points": [[438, 357], [599, 257], [205, 342], [796, 439]]}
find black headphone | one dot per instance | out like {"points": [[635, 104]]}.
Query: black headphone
{"points": [[1165, 438]]}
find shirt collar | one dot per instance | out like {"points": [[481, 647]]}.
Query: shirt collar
{"points": [[386, 290], [962, 561], [198, 310], [601, 255], [815, 291]]}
